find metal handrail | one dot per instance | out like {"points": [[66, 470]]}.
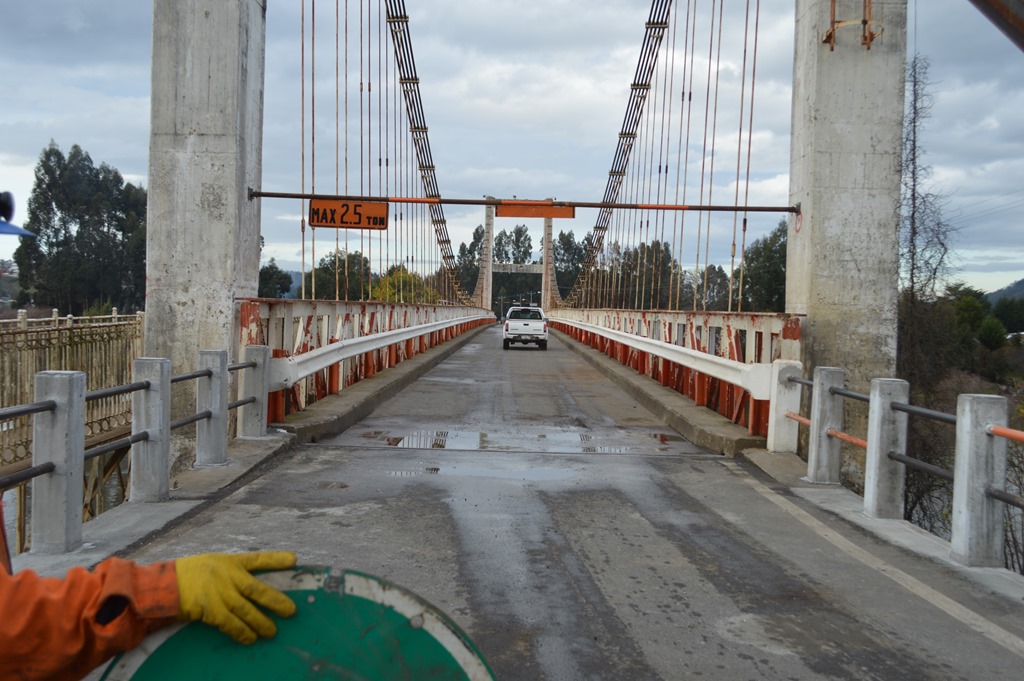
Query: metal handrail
{"points": [[241, 403], [188, 420], [1008, 433], [117, 390], [14, 479], [198, 373], [27, 409], [852, 394], [911, 462], [100, 450], [941, 416], [1014, 500]]}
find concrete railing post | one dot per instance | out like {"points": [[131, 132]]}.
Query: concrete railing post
{"points": [[255, 382], [887, 432], [212, 394], [977, 539], [58, 436], [783, 433], [826, 412], [151, 412]]}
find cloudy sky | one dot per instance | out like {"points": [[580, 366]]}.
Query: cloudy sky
{"points": [[523, 98]]}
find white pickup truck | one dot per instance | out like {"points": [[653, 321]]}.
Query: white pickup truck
{"points": [[525, 325]]}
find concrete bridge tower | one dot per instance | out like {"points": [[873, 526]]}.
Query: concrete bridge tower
{"points": [[486, 281], [843, 247], [483, 294], [206, 139], [549, 297], [843, 250]]}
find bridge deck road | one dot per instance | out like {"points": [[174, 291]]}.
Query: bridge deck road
{"points": [[573, 536]]}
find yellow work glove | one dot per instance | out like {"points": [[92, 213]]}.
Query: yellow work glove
{"points": [[218, 589]]}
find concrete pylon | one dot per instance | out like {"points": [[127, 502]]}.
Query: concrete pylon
{"points": [[202, 243], [483, 293], [843, 248], [548, 285], [487, 260]]}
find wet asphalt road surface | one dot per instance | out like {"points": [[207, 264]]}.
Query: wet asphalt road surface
{"points": [[573, 536]]}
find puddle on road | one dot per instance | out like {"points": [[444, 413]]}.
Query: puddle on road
{"points": [[529, 475], [331, 484], [568, 442]]}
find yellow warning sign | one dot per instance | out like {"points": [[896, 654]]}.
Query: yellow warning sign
{"points": [[348, 214]]}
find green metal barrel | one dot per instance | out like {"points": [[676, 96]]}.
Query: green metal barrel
{"points": [[349, 625]]}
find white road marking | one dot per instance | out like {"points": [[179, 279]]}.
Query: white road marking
{"points": [[970, 618]]}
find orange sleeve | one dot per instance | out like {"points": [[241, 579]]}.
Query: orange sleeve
{"points": [[53, 628]]}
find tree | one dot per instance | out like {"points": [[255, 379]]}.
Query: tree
{"points": [[91, 227], [703, 289], [402, 286], [1010, 311], [928, 339], [991, 333], [352, 281], [520, 245], [568, 254], [274, 282], [925, 236], [764, 272], [713, 289], [468, 260], [925, 239], [970, 312], [502, 250]]}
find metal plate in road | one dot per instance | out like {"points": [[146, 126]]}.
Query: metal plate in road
{"points": [[535, 439]]}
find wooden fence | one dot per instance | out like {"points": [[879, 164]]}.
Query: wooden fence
{"points": [[103, 347]]}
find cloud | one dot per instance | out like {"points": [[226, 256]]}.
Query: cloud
{"points": [[522, 97]]}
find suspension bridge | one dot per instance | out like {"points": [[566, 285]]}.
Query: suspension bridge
{"points": [[548, 499]]}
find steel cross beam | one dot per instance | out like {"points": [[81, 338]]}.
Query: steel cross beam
{"points": [[603, 205], [1007, 15]]}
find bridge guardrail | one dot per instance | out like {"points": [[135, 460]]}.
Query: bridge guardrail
{"points": [[287, 371], [979, 475], [59, 451], [299, 331], [727, 362]]}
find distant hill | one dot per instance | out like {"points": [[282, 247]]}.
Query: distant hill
{"points": [[1014, 290]]}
